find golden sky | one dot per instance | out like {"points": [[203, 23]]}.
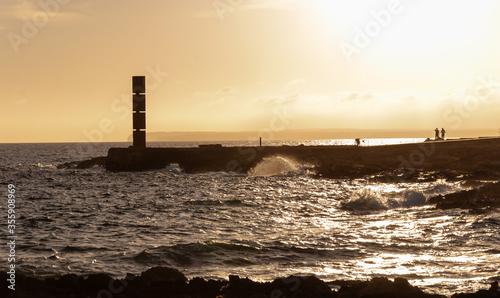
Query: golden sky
{"points": [[236, 65]]}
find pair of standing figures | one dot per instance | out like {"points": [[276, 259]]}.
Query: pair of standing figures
{"points": [[437, 133]]}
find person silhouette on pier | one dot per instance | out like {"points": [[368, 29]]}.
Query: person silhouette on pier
{"points": [[442, 133], [436, 136]]}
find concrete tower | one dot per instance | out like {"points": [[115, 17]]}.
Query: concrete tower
{"points": [[139, 111]]}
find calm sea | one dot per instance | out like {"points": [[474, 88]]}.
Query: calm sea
{"points": [[276, 221]]}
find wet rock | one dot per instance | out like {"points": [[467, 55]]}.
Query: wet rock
{"points": [[133, 281], [68, 281], [244, 288], [341, 170], [310, 286], [200, 286], [381, 287], [487, 196], [293, 286], [85, 164], [98, 281], [493, 292], [162, 274], [169, 282]]}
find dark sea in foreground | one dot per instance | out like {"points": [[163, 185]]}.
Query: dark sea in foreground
{"points": [[275, 221]]}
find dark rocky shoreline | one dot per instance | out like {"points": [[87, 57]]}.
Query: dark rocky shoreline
{"points": [[169, 282]]}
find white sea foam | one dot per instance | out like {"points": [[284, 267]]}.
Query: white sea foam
{"points": [[173, 168], [368, 199], [443, 187], [44, 166], [97, 169], [277, 165]]}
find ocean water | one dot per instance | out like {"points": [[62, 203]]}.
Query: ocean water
{"points": [[274, 221]]}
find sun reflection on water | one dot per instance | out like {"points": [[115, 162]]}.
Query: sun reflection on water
{"points": [[212, 225]]}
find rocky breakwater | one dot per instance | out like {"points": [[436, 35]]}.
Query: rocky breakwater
{"points": [[454, 158], [469, 159]]}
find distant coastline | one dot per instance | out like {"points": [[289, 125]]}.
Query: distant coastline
{"points": [[310, 134]]}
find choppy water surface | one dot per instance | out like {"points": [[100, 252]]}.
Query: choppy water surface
{"points": [[275, 221]]}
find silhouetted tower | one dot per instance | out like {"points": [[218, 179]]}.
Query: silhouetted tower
{"points": [[139, 111]]}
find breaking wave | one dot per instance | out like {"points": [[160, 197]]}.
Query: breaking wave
{"points": [[44, 166], [173, 168], [278, 165], [193, 253], [442, 187], [367, 199]]}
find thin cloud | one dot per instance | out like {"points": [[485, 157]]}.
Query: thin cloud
{"points": [[247, 5], [357, 96], [17, 10], [409, 98], [294, 86], [220, 97], [225, 91], [271, 4], [278, 100]]}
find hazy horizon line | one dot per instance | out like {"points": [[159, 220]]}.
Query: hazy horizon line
{"points": [[290, 134]]}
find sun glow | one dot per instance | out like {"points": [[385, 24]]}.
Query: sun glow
{"points": [[391, 32], [380, 64]]}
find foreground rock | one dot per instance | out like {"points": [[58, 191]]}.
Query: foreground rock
{"points": [[493, 292], [169, 282], [381, 287], [485, 197]]}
